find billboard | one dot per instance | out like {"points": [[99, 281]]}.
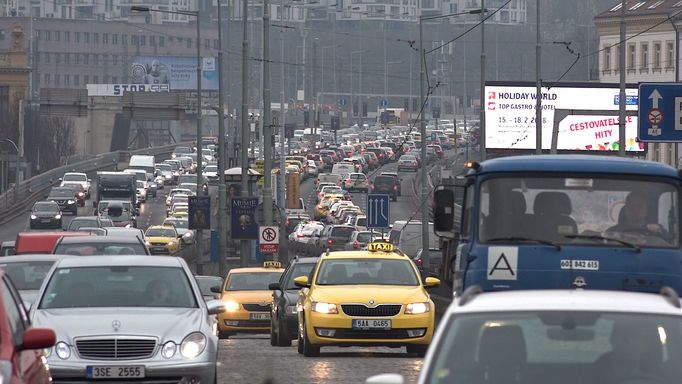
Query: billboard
{"points": [[510, 117], [243, 218], [199, 212], [179, 72]]}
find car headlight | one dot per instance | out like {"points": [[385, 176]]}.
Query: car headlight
{"points": [[417, 308], [321, 307], [47, 352], [176, 173], [172, 242], [187, 235], [231, 306], [127, 226], [292, 310], [168, 176], [168, 350], [57, 217], [81, 194], [193, 345], [33, 217], [70, 202], [62, 350]]}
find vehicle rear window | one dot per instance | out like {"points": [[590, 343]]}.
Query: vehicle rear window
{"points": [[92, 249], [59, 193], [362, 221], [342, 232], [384, 179], [251, 281]]}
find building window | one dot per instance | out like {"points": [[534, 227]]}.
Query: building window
{"points": [[86, 37], [86, 59], [77, 35], [657, 55], [616, 63], [57, 58], [124, 39], [57, 80], [207, 43], [216, 46], [143, 40], [67, 58], [114, 38], [4, 100], [96, 38], [67, 80], [57, 36], [67, 36], [48, 57], [152, 41], [607, 58], [134, 40], [632, 57], [105, 38], [46, 79], [77, 58], [644, 55], [48, 35], [114, 59], [76, 80], [189, 43], [670, 54], [162, 41], [86, 79]]}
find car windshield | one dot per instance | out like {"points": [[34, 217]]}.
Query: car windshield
{"points": [[118, 286], [61, 193], [160, 232], [366, 237], [27, 275], [75, 178], [384, 180], [342, 232], [45, 207], [178, 223], [580, 210], [331, 189], [211, 168], [98, 249], [540, 347], [300, 269], [257, 281], [82, 223], [164, 167], [367, 271], [362, 222]]}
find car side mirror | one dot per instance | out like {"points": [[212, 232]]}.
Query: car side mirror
{"points": [[215, 307], [430, 282], [216, 289], [302, 281], [60, 180], [274, 287], [38, 338]]}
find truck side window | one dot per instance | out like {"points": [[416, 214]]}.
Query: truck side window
{"points": [[468, 210]]}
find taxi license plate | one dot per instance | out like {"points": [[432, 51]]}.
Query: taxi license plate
{"points": [[115, 372], [260, 316], [371, 324]]}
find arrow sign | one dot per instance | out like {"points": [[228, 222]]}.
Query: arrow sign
{"points": [[377, 211], [655, 96]]}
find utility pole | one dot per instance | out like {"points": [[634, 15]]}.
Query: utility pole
{"points": [[267, 120], [282, 141], [200, 107], [245, 251], [622, 101], [481, 123], [222, 197], [538, 83], [313, 94], [422, 132]]}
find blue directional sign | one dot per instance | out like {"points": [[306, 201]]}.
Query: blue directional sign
{"points": [[343, 101], [377, 211], [660, 112], [384, 103]]}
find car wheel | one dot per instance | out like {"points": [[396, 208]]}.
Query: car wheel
{"points": [[309, 350], [419, 350], [223, 335], [283, 339], [273, 335]]}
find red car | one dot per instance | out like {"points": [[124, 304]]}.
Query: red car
{"points": [[21, 346]]}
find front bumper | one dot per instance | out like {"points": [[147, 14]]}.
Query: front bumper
{"points": [[345, 335], [174, 371], [163, 249], [53, 223], [241, 321]]}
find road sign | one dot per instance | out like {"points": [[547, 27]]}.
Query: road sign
{"points": [[336, 123], [660, 112], [384, 103], [268, 240], [342, 101], [377, 211], [243, 220], [199, 211]]}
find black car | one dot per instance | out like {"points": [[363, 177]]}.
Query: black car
{"points": [[388, 185], [65, 197], [46, 214], [283, 313]]}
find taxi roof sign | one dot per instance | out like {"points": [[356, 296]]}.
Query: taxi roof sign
{"points": [[272, 264], [380, 246]]}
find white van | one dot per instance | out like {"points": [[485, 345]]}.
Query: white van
{"points": [[408, 236], [145, 162], [343, 168]]}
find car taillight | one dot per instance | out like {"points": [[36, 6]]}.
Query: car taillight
{"points": [[330, 241], [372, 186], [300, 235], [419, 261], [395, 187], [356, 245], [347, 181], [288, 222]]}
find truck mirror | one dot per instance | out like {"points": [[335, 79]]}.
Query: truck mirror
{"points": [[444, 212]]}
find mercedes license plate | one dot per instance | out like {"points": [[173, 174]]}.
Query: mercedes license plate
{"points": [[260, 316], [115, 372], [371, 324]]}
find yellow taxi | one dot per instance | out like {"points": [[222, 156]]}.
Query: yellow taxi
{"points": [[373, 297], [162, 240], [247, 297], [322, 209]]}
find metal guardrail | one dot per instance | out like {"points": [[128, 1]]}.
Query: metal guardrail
{"points": [[20, 197]]}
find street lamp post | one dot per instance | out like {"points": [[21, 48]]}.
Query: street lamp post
{"points": [[352, 105], [422, 120], [200, 245], [245, 251]]}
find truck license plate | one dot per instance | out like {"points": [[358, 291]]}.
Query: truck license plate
{"points": [[371, 324], [115, 372]]}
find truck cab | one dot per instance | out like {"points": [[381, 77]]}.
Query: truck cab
{"points": [[561, 221]]}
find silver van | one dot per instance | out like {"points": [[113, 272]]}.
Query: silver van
{"points": [[408, 236]]}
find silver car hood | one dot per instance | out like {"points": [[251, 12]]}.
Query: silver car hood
{"points": [[165, 323]]}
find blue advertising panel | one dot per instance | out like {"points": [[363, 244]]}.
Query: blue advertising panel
{"points": [[179, 72], [243, 218], [660, 112], [199, 212]]}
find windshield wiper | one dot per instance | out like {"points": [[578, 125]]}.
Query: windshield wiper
{"points": [[519, 238], [600, 237]]}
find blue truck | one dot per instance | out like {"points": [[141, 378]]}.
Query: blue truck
{"points": [[560, 221]]}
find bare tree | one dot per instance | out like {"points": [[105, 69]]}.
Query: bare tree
{"points": [[49, 140]]}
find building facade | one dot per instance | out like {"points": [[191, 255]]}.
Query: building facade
{"points": [[650, 52]]}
